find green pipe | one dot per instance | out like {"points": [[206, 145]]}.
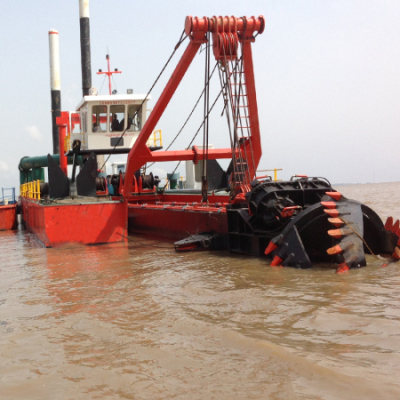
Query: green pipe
{"points": [[28, 163]]}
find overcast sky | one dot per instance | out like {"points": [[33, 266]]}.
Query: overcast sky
{"points": [[327, 78]]}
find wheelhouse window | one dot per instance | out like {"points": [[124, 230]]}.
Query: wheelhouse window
{"points": [[99, 122], [134, 117], [117, 118]]}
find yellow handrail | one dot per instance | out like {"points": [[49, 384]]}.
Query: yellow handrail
{"points": [[30, 190], [275, 172], [155, 139], [67, 143]]}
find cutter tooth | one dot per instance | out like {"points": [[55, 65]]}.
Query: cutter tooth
{"points": [[338, 233], [347, 264], [334, 250], [271, 247], [389, 224], [395, 226], [335, 195], [342, 268], [339, 248], [396, 253], [329, 204], [335, 233], [332, 213], [276, 262], [336, 221]]}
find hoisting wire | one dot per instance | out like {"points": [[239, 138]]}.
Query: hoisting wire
{"points": [[181, 40], [187, 120], [238, 122], [224, 75], [247, 118], [195, 135], [224, 85], [236, 115], [204, 178]]}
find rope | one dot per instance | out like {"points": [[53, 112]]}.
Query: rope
{"points": [[372, 253], [181, 40]]}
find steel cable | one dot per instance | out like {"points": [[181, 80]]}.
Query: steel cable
{"points": [[181, 40]]}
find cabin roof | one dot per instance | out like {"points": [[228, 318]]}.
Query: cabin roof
{"points": [[115, 97]]}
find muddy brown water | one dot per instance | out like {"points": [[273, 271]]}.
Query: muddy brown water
{"points": [[136, 322]]}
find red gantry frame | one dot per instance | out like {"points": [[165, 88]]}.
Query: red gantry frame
{"points": [[227, 32]]}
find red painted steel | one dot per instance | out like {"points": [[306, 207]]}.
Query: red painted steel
{"points": [[184, 198], [63, 124], [226, 32], [140, 153], [175, 223], [8, 217], [109, 73], [59, 224], [248, 25], [253, 145]]}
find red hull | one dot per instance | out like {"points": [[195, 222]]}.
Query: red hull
{"points": [[176, 222], [91, 223], [8, 217]]}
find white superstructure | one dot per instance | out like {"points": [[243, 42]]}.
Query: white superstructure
{"points": [[104, 118]]}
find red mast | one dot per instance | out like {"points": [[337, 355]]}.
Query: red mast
{"points": [[226, 33], [109, 72]]}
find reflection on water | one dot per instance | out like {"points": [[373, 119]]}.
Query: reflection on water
{"points": [[139, 322]]}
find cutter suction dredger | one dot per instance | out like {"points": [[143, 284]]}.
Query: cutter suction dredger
{"points": [[297, 222]]}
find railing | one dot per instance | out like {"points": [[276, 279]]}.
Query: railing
{"points": [[155, 139], [30, 190], [67, 143], [7, 199], [275, 170]]}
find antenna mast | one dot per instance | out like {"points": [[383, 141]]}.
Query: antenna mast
{"points": [[109, 72]]}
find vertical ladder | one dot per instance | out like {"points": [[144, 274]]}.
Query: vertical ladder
{"points": [[240, 113]]}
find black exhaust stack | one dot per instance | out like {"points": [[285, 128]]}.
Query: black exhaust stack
{"points": [[85, 46]]}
